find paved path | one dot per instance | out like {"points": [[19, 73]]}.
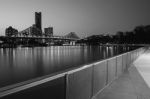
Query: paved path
{"points": [[143, 66], [133, 84]]}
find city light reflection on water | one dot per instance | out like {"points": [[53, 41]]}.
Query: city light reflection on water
{"points": [[20, 64]]}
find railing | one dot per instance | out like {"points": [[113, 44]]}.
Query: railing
{"points": [[85, 82]]}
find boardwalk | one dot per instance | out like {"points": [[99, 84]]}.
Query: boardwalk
{"points": [[133, 84]]}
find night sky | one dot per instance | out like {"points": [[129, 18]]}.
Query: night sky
{"points": [[85, 17]]}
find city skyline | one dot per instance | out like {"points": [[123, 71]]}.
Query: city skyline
{"points": [[84, 17]]}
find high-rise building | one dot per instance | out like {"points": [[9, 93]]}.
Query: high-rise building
{"points": [[10, 31], [38, 20], [48, 31]]}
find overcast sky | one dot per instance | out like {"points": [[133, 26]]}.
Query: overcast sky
{"points": [[85, 17]]}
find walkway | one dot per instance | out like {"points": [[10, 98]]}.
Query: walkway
{"points": [[133, 84]]}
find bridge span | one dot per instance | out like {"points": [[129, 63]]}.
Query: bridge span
{"points": [[38, 37]]}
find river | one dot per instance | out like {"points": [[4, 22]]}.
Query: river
{"points": [[21, 64]]}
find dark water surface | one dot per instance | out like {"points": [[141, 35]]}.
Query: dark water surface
{"points": [[20, 64]]}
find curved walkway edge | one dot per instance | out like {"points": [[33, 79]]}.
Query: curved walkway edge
{"points": [[133, 84]]}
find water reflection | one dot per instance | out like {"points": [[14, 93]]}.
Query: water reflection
{"points": [[21, 64]]}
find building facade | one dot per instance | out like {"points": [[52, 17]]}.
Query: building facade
{"points": [[31, 31], [10, 31], [38, 20], [48, 31]]}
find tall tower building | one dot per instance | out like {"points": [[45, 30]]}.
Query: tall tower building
{"points": [[38, 20]]}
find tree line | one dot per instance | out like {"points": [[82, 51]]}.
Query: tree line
{"points": [[139, 35]]}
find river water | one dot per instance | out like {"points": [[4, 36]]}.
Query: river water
{"points": [[21, 64]]}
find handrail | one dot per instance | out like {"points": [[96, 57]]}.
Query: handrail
{"points": [[27, 84]]}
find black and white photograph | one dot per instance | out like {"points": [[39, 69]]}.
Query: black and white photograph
{"points": [[74, 49]]}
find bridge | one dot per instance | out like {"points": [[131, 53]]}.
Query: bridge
{"points": [[25, 35], [38, 37], [69, 40]]}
